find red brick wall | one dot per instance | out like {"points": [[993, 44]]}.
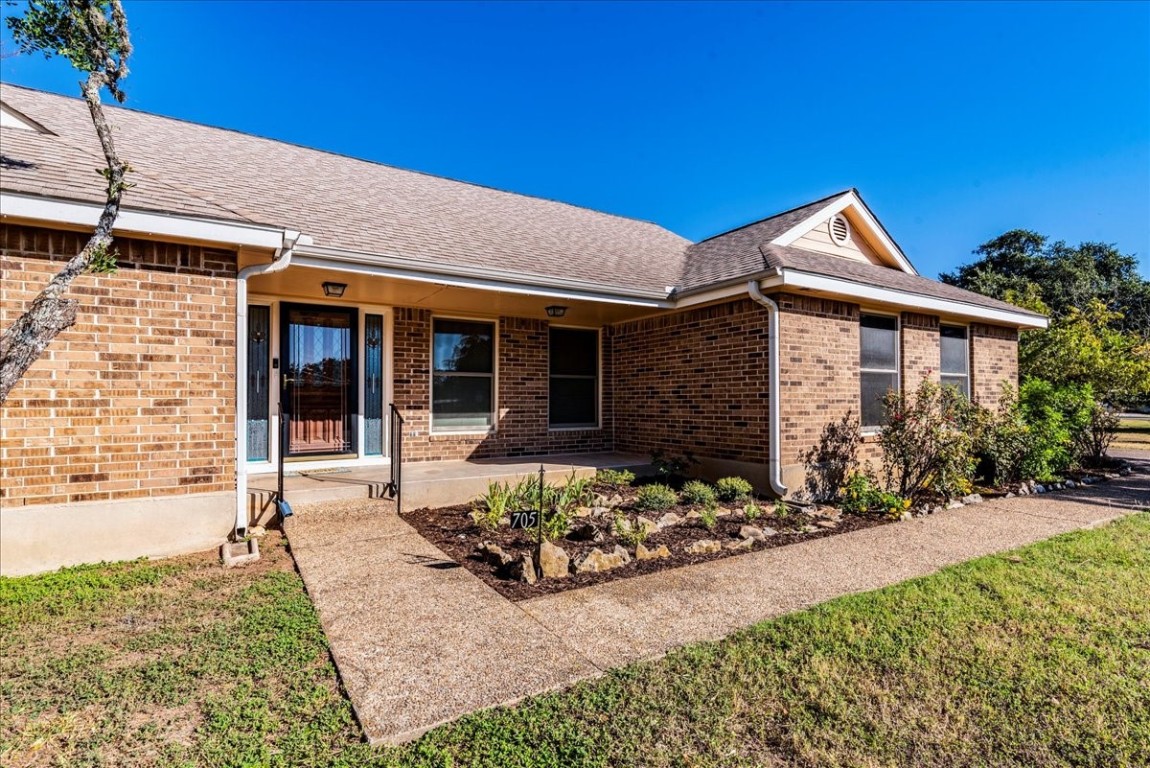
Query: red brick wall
{"points": [[137, 398], [694, 381], [819, 360], [522, 383], [920, 350], [993, 360]]}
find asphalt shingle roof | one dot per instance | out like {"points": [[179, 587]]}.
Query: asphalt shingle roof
{"points": [[371, 208]]}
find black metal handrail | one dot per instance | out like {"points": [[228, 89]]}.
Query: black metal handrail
{"points": [[395, 438]]}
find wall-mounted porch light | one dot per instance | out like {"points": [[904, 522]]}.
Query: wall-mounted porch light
{"points": [[334, 290], [556, 310]]}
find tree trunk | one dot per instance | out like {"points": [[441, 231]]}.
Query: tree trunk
{"points": [[25, 341]]}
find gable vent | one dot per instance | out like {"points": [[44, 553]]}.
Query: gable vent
{"points": [[840, 229]]}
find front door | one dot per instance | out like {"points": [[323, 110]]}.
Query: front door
{"points": [[319, 398]]}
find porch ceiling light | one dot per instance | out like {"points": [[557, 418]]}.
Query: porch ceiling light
{"points": [[334, 290], [556, 310]]}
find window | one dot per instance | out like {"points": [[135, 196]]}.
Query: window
{"points": [[463, 375], [955, 358], [878, 365], [574, 385]]}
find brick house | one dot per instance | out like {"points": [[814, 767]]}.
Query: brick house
{"points": [[500, 325]]}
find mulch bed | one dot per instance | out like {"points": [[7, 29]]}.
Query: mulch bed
{"points": [[452, 530]]}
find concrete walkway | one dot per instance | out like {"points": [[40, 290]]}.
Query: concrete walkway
{"points": [[419, 642]]}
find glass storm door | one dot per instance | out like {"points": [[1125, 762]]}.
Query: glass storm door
{"points": [[320, 396]]}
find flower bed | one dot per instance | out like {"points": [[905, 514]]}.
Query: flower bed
{"points": [[613, 536]]}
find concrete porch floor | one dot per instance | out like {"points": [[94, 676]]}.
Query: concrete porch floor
{"points": [[425, 483]]}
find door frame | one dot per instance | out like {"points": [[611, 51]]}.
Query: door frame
{"points": [[354, 419], [276, 302]]}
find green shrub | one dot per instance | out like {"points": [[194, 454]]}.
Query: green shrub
{"points": [[1094, 441], [709, 517], [697, 492], [1001, 440], [862, 496], [734, 489], [926, 441], [499, 502], [656, 497], [782, 511], [1057, 417], [752, 511], [628, 532], [620, 478]]}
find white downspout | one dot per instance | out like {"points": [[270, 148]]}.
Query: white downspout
{"points": [[280, 262], [774, 465]]}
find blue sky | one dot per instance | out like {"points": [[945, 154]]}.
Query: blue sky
{"points": [[955, 121]]}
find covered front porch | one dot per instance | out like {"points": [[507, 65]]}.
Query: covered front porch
{"points": [[424, 483]]}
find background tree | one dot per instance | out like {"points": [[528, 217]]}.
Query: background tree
{"points": [[1098, 304], [93, 36]]}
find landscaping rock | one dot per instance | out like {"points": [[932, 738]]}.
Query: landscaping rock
{"points": [[694, 514], [740, 544], [647, 525], [973, 498], [724, 512], [833, 524], [585, 532], [704, 547], [808, 529], [553, 561], [584, 512], [493, 554], [1009, 495], [642, 553], [954, 504], [615, 501], [936, 509], [1071, 484], [597, 561], [752, 532], [256, 531], [600, 511], [522, 570], [1040, 489], [622, 553], [667, 520]]}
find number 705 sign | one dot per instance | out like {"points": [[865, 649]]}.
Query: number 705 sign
{"points": [[528, 518]]}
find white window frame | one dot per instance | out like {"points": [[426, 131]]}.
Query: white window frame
{"points": [[484, 431], [873, 429], [598, 424], [966, 355]]}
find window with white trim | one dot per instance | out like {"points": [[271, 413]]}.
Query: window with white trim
{"points": [[573, 399], [878, 365], [955, 353], [463, 375]]}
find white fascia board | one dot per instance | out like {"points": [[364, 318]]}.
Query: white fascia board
{"points": [[848, 200], [305, 257], [736, 288], [914, 301], [138, 222]]}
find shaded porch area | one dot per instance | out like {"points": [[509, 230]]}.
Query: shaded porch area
{"points": [[425, 483]]}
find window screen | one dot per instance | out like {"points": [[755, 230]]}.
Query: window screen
{"points": [[574, 378], [463, 375], [878, 365], [955, 358]]}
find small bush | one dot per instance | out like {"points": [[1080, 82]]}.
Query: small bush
{"points": [[697, 492], [734, 489], [861, 496], [656, 497], [926, 442], [1056, 416], [1095, 438], [752, 511], [499, 502], [709, 517], [782, 511], [833, 458], [628, 532], [619, 478]]}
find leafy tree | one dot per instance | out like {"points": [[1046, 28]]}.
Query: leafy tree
{"points": [[1022, 262], [93, 36], [1086, 346]]}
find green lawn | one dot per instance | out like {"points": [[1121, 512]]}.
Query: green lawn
{"points": [[1038, 658], [1132, 433]]}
